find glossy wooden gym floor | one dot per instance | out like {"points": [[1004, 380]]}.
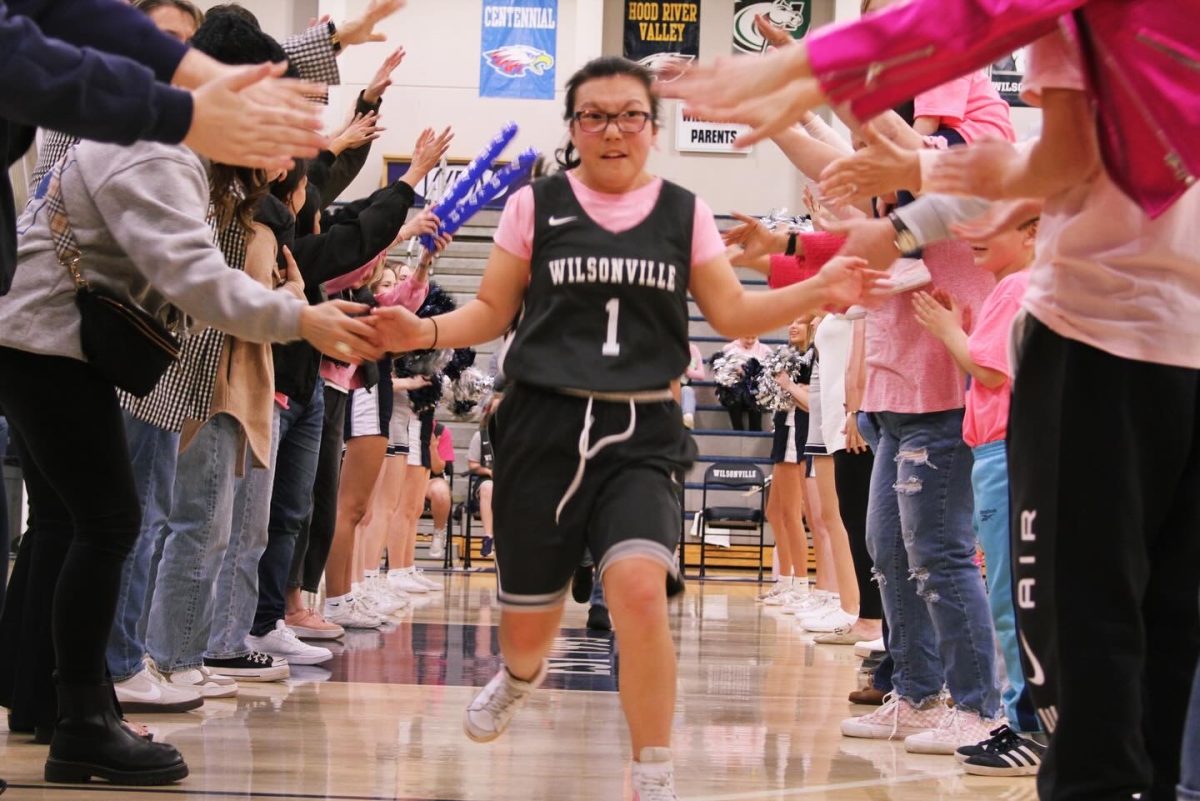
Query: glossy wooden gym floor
{"points": [[757, 719]]}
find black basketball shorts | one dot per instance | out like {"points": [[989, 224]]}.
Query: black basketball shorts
{"points": [[627, 503]]}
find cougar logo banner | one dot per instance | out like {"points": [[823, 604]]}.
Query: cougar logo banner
{"points": [[519, 44], [660, 28], [793, 16]]}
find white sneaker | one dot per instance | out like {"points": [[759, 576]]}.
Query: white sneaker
{"points": [[203, 681], [778, 588], [430, 584], [653, 776], [895, 719], [437, 548], [960, 727], [489, 713], [381, 604], [379, 586], [283, 642], [147, 691], [864, 649], [789, 595], [403, 579], [689, 420], [349, 614], [832, 619], [809, 603]]}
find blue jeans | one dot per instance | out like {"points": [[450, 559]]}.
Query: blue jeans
{"points": [[300, 428], [237, 583], [922, 543], [153, 452], [687, 399], [196, 537], [989, 479]]}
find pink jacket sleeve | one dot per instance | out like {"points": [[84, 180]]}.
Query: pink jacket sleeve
{"points": [[888, 57], [349, 279], [408, 293]]}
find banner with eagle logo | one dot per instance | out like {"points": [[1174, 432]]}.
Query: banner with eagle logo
{"points": [[518, 49], [793, 16], [662, 31]]}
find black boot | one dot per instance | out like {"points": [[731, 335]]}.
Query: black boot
{"points": [[89, 740]]}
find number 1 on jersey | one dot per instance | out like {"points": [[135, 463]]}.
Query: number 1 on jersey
{"points": [[611, 346]]}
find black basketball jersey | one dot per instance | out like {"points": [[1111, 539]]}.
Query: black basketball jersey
{"points": [[604, 311]]}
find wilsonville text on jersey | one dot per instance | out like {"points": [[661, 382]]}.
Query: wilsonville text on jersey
{"points": [[605, 270]]}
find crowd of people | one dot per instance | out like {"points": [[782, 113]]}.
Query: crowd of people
{"points": [[973, 323]]}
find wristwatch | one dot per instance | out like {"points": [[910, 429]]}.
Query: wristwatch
{"points": [[791, 246], [906, 240]]}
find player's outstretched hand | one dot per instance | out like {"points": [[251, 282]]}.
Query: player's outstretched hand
{"points": [[329, 328], [397, 330], [846, 281], [769, 92]]}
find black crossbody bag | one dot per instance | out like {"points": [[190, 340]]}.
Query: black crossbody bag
{"points": [[122, 341]]}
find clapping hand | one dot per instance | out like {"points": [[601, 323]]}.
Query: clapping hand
{"points": [[877, 169], [363, 128], [938, 313], [847, 281], [383, 76], [754, 238], [427, 152]]}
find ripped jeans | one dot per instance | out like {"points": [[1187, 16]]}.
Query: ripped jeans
{"points": [[922, 542]]}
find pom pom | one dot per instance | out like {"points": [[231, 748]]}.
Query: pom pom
{"points": [[736, 376], [769, 395], [460, 361], [466, 392]]}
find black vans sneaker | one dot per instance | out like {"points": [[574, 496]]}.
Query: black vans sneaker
{"points": [[254, 666], [1005, 754]]}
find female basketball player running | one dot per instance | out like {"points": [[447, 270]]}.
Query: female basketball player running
{"points": [[598, 260]]}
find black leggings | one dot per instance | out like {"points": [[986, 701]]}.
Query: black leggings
{"points": [[316, 538], [739, 415], [84, 503], [852, 476]]}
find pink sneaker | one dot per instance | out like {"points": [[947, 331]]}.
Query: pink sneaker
{"points": [[896, 719], [309, 623]]}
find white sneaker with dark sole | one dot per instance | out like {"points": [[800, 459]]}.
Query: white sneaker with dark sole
{"points": [[489, 713]]}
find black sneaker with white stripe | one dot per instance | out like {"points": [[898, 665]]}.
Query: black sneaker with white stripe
{"points": [[1005, 754], [254, 666]]}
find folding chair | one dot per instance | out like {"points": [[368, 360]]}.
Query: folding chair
{"points": [[733, 476]]}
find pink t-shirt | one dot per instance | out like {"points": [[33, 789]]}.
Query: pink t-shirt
{"points": [[615, 213], [970, 105], [1106, 274], [986, 419], [756, 351], [909, 370], [445, 445]]}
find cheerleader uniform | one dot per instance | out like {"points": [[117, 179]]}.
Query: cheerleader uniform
{"points": [[791, 426]]}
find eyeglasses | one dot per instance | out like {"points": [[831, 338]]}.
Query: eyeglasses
{"points": [[598, 121]]}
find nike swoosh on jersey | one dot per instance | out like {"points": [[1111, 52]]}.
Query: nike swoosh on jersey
{"points": [[557, 221], [1039, 677]]}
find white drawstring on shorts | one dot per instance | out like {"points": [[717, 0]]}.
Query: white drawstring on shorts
{"points": [[587, 451]]}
